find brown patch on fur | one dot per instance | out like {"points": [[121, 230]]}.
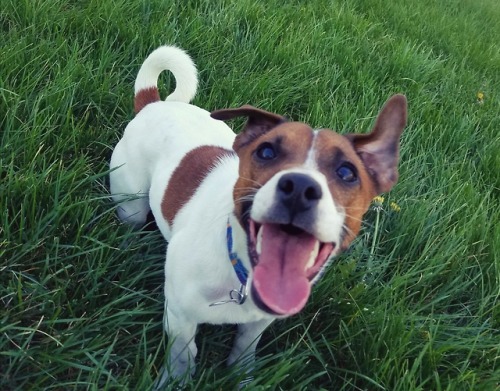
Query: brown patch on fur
{"points": [[188, 176], [332, 151], [292, 141], [144, 97]]}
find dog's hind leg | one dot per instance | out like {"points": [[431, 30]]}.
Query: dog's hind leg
{"points": [[133, 210], [129, 187]]}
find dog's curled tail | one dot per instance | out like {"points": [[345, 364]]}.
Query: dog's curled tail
{"points": [[162, 59]]}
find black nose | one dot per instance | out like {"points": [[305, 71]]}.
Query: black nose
{"points": [[299, 192]]}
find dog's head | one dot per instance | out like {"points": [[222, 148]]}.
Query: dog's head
{"points": [[301, 195]]}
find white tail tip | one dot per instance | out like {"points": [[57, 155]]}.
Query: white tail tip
{"points": [[176, 61]]}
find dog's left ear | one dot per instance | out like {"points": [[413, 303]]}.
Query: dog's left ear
{"points": [[259, 122], [379, 149]]}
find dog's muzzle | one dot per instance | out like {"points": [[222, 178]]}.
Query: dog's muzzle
{"points": [[284, 248]]}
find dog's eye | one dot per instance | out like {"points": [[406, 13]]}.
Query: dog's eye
{"points": [[266, 152], [347, 173]]}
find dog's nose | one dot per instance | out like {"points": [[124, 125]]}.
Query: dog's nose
{"points": [[299, 192]]}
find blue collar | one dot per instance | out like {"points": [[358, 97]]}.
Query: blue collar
{"points": [[240, 270], [237, 296]]}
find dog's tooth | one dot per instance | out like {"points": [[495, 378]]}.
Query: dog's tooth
{"points": [[258, 245], [312, 257]]}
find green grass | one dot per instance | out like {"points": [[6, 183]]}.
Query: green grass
{"points": [[413, 305]]}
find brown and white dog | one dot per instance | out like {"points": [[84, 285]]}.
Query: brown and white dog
{"points": [[253, 219]]}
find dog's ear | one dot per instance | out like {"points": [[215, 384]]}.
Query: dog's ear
{"points": [[379, 149], [259, 122]]}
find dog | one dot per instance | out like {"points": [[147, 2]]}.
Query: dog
{"points": [[252, 220]]}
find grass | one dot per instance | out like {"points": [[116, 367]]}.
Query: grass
{"points": [[413, 305]]}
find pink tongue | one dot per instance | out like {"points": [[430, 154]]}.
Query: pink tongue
{"points": [[280, 277]]}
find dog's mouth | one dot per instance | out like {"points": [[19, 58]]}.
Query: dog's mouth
{"points": [[285, 261]]}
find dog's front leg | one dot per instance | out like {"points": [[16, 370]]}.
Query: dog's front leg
{"points": [[246, 342], [183, 350]]}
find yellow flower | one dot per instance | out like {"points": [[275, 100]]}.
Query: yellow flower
{"points": [[395, 207], [378, 200], [425, 335], [480, 97]]}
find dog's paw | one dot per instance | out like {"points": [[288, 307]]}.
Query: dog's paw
{"points": [[162, 380], [167, 377]]}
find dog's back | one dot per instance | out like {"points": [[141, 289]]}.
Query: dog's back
{"points": [[161, 134]]}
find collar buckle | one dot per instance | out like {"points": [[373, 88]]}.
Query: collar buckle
{"points": [[236, 296]]}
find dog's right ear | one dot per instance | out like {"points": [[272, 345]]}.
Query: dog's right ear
{"points": [[379, 150], [259, 122]]}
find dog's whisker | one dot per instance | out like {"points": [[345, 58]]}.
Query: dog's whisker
{"points": [[251, 180], [243, 200], [354, 218], [348, 230]]}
